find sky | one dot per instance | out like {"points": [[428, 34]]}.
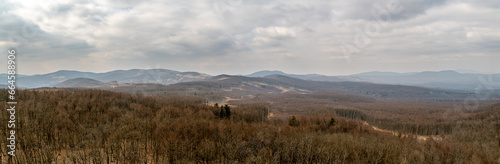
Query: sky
{"points": [[331, 37]]}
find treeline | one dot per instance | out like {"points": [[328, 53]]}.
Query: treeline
{"points": [[93, 126], [416, 128], [351, 114]]}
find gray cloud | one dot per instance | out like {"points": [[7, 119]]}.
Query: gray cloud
{"points": [[413, 8], [370, 10], [235, 36]]}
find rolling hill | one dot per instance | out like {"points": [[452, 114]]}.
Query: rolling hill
{"points": [[242, 86], [80, 83], [442, 79], [160, 76], [314, 77], [449, 80]]}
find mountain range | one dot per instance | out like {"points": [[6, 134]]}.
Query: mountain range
{"points": [[160, 76], [243, 86], [443, 79]]}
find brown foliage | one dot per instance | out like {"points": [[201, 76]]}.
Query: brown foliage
{"points": [[93, 126]]}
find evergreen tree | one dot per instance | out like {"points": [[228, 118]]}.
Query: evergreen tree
{"points": [[222, 113], [227, 110], [332, 122], [293, 121]]}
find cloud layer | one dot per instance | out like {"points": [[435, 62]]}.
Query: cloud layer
{"points": [[239, 37]]}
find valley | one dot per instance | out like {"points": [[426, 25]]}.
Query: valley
{"points": [[268, 119]]}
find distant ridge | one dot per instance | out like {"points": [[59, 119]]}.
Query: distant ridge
{"points": [[447, 79], [158, 76], [266, 73], [313, 77], [79, 83], [378, 73], [241, 86]]}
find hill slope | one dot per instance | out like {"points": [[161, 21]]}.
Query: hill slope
{"points": [[441, 79], [238, 86], [79, 83], [159, 76], [314, 77]]}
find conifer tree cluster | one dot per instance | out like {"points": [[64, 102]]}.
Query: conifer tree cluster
{"points": [[224, 111]]}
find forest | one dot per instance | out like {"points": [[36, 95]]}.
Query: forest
{"points": [[95, 126]]}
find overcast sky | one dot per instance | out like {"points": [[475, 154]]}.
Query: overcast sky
{"points": [[332, 37]]}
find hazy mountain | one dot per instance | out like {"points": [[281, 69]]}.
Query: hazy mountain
{"points": [[243, 86], [79, 83], [442, 79], [378, 73], [314, 77], [160, 76], [266, 73], [239, 86], [50, 79]]}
